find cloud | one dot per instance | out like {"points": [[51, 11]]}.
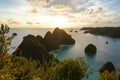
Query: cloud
{"points": [[72, 20], [99, 10], [93, 12], [60, 8], [37, 23], [60, 5], [115, 19], [83, 5], [75, 11], [0, 22], [110, 21], [28, 22], [96, 22], [13, 21], [32, 11], [38, 3], [90, 11], [34, 5]]}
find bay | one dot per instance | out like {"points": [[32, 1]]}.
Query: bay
{"points": [[105, 52]]}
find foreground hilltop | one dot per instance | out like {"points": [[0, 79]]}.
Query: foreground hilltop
{"points": [[113, 32], [37, 47]]}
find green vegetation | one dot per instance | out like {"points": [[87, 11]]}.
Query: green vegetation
{"points": [[67, 70], [108, 72], [107, 76]]}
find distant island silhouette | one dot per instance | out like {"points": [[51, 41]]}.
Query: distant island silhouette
{"points": [[113, 32]]}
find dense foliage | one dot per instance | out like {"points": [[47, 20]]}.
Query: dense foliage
{"points": [[107, 76], [108, 72], [67, 70]]}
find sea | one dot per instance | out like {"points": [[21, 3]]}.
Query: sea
{"points": [[105, 52]]}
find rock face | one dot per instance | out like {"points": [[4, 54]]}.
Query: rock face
{"points": [[31, 47], [36, 47], [57, 38], [107, 66], [91, 49]]}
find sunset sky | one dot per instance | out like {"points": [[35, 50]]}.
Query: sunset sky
{"points": [[59, 13]]}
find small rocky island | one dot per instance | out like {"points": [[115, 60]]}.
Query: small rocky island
{"points": [[113, 32], [91, 49], [36, 47], [108, 66]]}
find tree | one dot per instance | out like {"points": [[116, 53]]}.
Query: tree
{"points": [[5, 42], [66, 70], [107, 76], [5, 59]]}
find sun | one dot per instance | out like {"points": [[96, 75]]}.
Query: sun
{"points": [[59, 21], [52, 21]]}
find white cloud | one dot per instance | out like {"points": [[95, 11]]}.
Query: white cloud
{"points": [[13, 21], [60, 8], [81, 12], [29, 22]]}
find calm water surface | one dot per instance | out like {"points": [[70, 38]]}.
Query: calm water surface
{"points": [[105, 52]]}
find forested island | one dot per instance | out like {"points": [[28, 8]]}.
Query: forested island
{"points": [[113, 32]]}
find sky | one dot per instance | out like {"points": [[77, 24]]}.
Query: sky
{"points": [[60, 13]]}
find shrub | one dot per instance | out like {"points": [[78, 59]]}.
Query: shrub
{"points": [[66, 70]]}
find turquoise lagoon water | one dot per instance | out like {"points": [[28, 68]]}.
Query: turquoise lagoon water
{"points": [[105, 52]]}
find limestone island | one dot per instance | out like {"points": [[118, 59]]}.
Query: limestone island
{"points": [[36, 47], [91, 49]]}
